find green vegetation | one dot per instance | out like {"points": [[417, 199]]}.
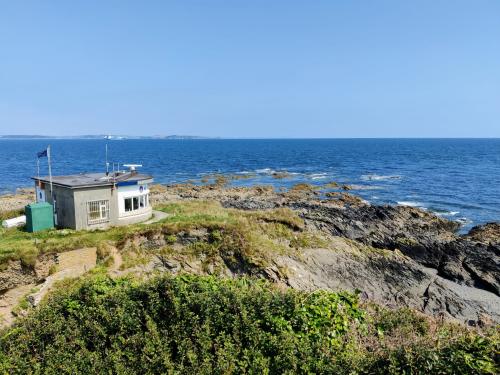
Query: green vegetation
{"points": [[205, 325], [242, 238], [4, 215], [16, 244]]}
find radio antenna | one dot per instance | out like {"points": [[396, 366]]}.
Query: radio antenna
{"points": [[107, 164]]}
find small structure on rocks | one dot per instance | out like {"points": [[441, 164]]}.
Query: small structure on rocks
{"points": [[97, 200]]}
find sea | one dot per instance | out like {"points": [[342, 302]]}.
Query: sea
{"points": [[458, 179]]}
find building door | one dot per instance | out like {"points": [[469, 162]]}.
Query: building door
{"points": [[40, 194]]}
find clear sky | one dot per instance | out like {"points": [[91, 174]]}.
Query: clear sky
{"points": [[258, 68]]}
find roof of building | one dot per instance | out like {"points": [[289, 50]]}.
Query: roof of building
{"points": [[96, 179]]}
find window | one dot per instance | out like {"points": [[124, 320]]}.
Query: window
{"points": [[128, 204], [136, 203], [98, 212]]}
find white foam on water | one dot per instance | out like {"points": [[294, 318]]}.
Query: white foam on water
{"points": [[365, 187], [265, 171], [464, 220], [410, 204], [318, 176], [441, 212], [376, 177]]}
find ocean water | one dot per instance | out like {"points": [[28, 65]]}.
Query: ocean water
{"points": [[456, 178]]}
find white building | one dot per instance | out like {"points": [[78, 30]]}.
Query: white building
{"points": [[97, 200]]}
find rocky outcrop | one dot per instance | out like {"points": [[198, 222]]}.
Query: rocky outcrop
{"points": [[472, 260], [17, 201], [439, 271], [487, 233], [394, 255], [393, 281]]}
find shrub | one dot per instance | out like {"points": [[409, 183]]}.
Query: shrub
{"points": [[184, 324], [205, 325]]}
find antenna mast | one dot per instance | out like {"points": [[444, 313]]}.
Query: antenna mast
{"points": [[107, 164]]}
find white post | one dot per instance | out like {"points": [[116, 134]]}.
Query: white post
{"points": [[107, 164], [50, 174], [38, 175]]}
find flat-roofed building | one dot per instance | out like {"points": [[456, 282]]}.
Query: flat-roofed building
{"points": [[96, 200]]}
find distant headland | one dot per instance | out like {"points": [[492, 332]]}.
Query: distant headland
{"points": [[103, 136]]}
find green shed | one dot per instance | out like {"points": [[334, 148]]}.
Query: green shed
{"points": [[39, 216]]}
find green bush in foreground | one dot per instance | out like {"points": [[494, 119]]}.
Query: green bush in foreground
{"points": [[205, 325]]}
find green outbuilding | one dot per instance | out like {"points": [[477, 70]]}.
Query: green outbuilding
{"points": [[39, 216]]}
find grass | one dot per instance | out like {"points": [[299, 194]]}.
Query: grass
{"points": [[4, 215], [251, 237], [16, 244], [242, 239]]}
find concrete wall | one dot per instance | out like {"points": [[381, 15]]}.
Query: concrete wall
{"points": [[82, 196], [71, 205], [64, 207]]}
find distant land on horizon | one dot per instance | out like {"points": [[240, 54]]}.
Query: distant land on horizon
{"points": [[196, 137], [101, 136]]}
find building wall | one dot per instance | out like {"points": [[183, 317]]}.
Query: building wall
{"points": [[71, 205], [135, 216], [64, 205], [85, 195]]}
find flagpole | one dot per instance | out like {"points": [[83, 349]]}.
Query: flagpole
{"points": [[38, 175], [50, 174]]}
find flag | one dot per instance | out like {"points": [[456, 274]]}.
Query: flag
{"points": [[42, 154]]}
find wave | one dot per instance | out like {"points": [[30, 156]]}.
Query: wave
{"points": [[318, 176], [445, 213], [365, 187], [376, 177], [464, 221], [265, 171]]}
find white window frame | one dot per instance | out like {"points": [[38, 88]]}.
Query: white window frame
{"points": [[141, 198], [101, 208]]}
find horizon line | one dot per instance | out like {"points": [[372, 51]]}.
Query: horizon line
{"points": [[208, 138]]}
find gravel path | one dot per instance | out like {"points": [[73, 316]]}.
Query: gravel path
{"points": [[157, 216]]}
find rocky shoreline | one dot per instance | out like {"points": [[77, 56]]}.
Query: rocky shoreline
{"points": [[433, 268], [394, 255]]}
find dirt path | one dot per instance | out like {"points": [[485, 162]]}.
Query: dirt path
{"points": [[70, 264], [11, 299], [114, 270]]}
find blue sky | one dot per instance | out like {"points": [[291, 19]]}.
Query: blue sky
{"points": [[251, 68]]}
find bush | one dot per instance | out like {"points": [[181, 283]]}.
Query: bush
{"points": [[184, 324], [204, 325]]}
